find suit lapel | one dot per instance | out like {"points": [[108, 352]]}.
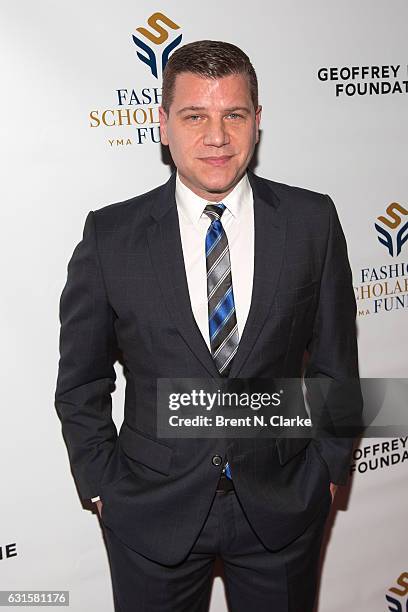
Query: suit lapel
{"points": [[166, 252], [270, 241]]}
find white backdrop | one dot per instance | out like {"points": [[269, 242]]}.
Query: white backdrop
{"points": [[63, 62]]}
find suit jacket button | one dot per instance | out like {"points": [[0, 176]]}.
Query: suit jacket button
{"points": [[217, 460]]}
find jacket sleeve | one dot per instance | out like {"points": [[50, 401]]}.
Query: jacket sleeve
{"points": [[333, 356], [86, 376]]}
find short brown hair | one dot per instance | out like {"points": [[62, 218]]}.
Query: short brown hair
{"points": [[210, 59]]}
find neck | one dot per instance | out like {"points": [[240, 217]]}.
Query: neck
{"points": [[208, 195]]}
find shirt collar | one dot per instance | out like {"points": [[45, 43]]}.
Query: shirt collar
{"points": [[193, 205]]}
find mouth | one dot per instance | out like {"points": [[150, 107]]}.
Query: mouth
{"points": [[216, 161]]}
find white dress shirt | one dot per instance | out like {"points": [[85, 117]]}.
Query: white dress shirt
{"points": [[238, 223]]}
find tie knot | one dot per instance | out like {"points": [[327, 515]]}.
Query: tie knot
{"points": [[214, 211]]}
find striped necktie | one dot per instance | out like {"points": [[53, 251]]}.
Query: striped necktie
{"points": [[222, 318]]}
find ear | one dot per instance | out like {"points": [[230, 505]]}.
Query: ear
{"points": [[258, 114], [163, 126]]}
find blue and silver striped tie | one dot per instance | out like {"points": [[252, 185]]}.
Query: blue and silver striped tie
{"points": [[222, 318]]}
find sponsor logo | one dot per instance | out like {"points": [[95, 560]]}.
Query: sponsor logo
{"points": [[155, 56], [380, 455], [395, 234], [133, 116], [385, 288], [7, 551], [354, 81], [397, 595]]}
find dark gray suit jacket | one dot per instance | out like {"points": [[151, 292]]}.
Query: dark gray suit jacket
{"points": [[126, 294]]}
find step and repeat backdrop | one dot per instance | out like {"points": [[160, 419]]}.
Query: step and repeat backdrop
{"points": [[81, 87]]}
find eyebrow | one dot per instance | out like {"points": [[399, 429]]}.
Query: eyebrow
{"points": [[200, 108]]}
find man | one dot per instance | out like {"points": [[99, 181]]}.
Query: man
{"points": [[216, 273]]}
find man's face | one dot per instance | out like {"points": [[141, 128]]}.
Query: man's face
{"points": [[211, 130]]}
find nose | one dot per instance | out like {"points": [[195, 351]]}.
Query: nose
{"points": [[216, 133]]}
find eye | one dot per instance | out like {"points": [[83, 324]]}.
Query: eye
{"points": [[235, 116], [193, 117]]}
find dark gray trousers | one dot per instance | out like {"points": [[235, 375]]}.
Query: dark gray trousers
{"points": [[254, 577]]}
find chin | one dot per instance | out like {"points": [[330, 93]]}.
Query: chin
{"points": [[218, 184]]}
